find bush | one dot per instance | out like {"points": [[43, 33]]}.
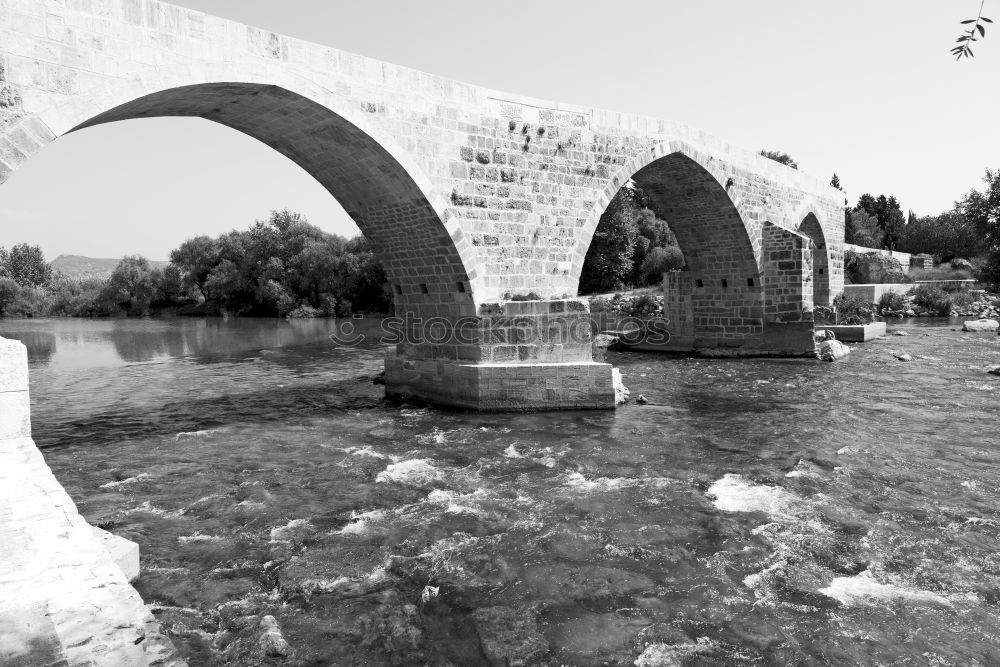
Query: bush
{"points": [[530, 296], [646, 304], [932, 299], [963, 299], [890, 301], [854, 309], [305, 311], [601, 304]]}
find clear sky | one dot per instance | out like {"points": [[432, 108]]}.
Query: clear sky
{"points": [[865, 89]]}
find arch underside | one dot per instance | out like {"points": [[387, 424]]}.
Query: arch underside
{"points": [[407, 234], [721, 293], [813, 230]]}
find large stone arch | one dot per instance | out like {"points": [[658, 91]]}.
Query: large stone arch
{"points": [[811, 227], [379, 184], [719, 300]]}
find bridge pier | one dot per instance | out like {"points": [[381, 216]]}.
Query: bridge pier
{"points": [[511, 356]]}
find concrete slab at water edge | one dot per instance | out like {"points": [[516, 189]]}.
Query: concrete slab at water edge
{"points": [[851, 333]]}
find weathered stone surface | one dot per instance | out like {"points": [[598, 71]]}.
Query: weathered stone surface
{"points": [[52, 561], [832, 350], [981, 325], [15, 415], [13, 366]]}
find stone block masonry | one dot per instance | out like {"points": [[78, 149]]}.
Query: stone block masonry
{"points": [[468, 195], [63, 599]]}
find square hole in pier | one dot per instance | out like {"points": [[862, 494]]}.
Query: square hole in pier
{"points": [[423, 288]]}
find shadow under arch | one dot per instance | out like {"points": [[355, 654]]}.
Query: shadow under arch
{"points": [[719, 300], [811, 227], [376, 182]]}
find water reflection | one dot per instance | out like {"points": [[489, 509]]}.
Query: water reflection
{"points": [[41, 345], [103, 343]]}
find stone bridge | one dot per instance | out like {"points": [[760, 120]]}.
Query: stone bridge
{"points": [[470, 196]]}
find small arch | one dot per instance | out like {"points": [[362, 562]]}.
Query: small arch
{"points": [[811, 228], [713, 235]]}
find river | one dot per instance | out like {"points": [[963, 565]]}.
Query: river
{"points": [[755, 511]]}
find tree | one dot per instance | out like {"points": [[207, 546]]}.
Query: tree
{"points": [[609, 260], [861, 228], [949, 235], [26, 265], [835, 182], [131, 287], [195, 258], [783, 158], [889, 217], [983, 211]]}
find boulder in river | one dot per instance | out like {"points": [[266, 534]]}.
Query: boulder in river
{"points": [[903, 356], [272, 642], [832, 350], [900, 333], [980, 325]]}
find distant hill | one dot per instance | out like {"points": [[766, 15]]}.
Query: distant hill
{"points": [[78, 266]]}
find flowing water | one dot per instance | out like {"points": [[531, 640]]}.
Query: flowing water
{"points": [[756, 511]]}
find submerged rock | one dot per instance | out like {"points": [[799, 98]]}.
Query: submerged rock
{"points": [[509, 636], [900, 333], [394, 627], [343, 571], [832, 350], [903, 356], [272, 642], [641, 400], [994, 371], [981, 325]]}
